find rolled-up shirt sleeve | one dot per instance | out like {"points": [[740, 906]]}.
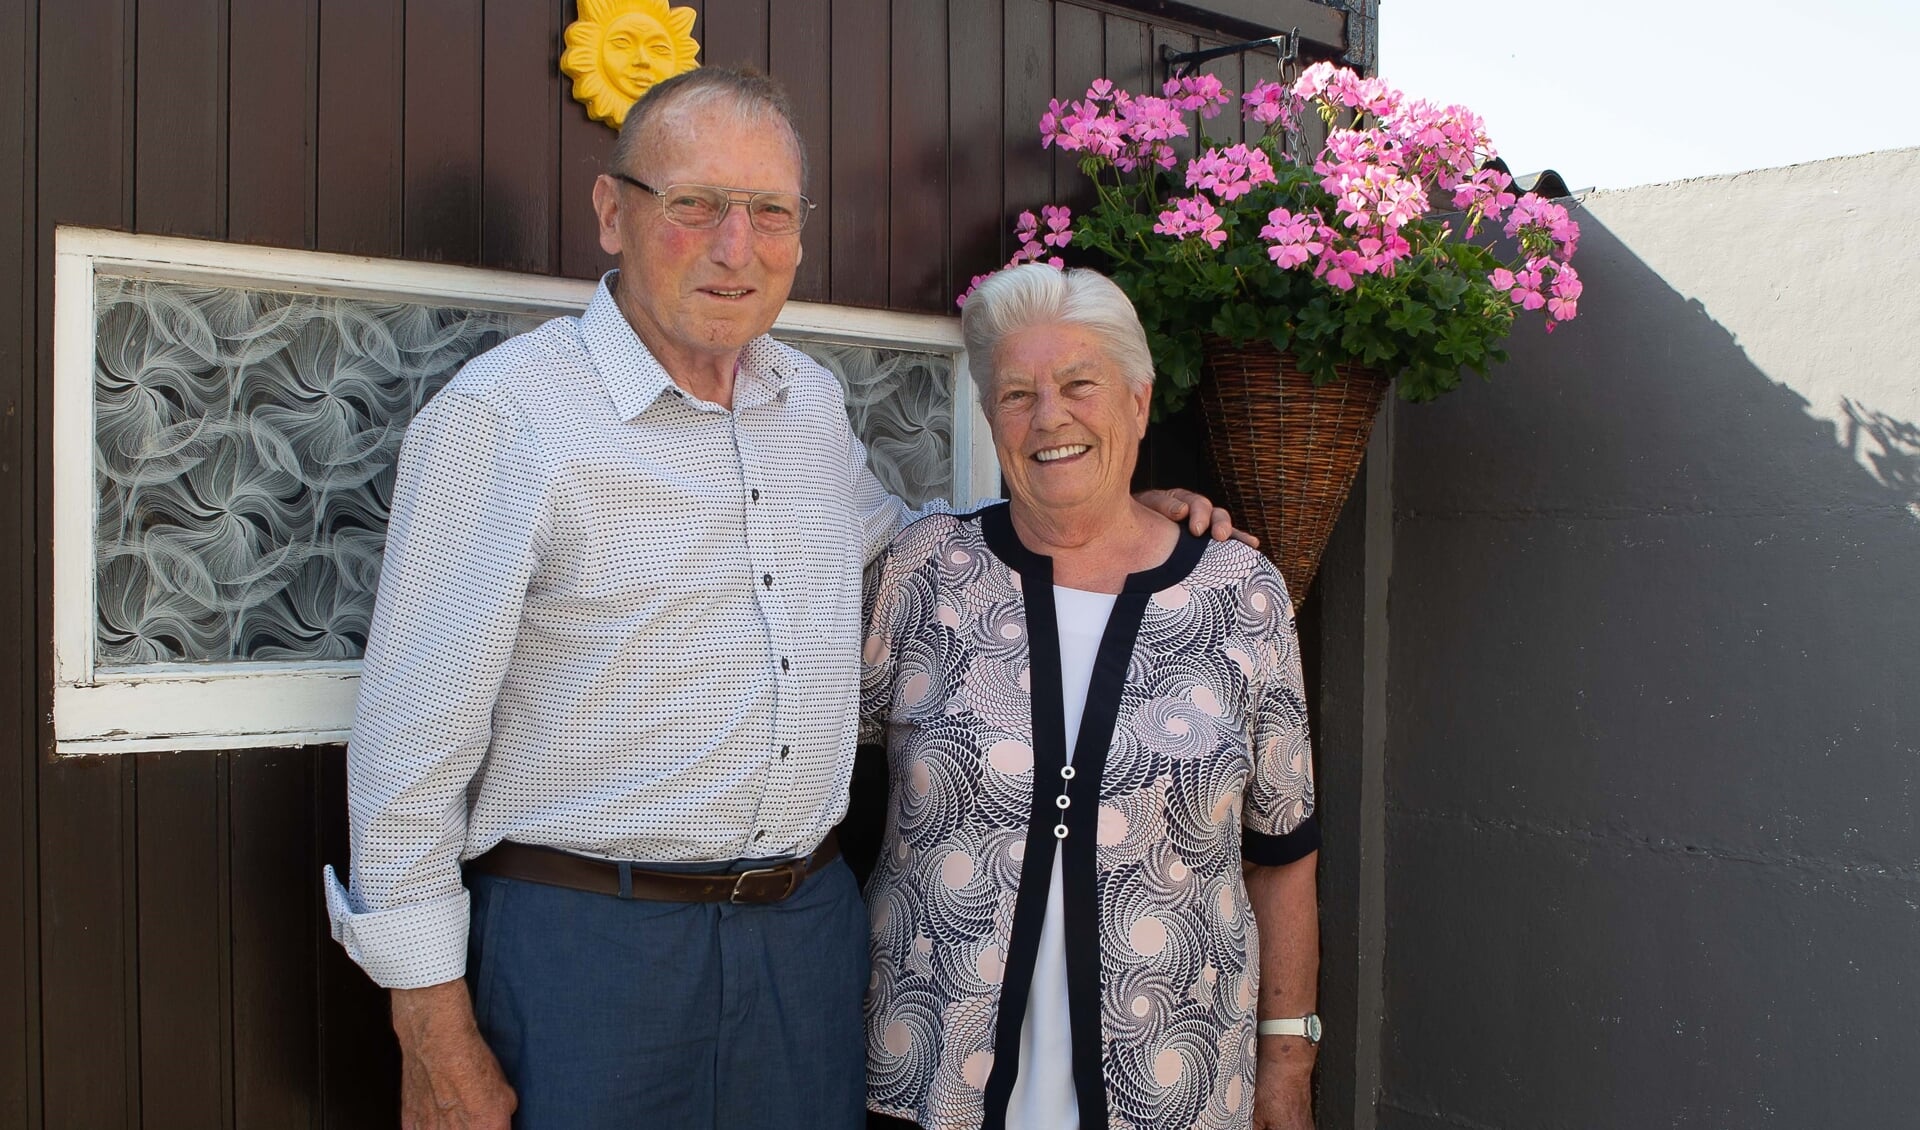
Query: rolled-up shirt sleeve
{"points": [[471, 513]]}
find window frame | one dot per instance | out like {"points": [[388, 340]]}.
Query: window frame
{"points": [[266, 704]]}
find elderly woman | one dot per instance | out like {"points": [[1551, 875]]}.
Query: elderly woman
{"points": [[1096, 882]]}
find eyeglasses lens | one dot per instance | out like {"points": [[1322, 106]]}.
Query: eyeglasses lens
{"points": [[703, 206]]}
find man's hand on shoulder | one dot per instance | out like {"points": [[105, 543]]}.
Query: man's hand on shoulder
{"points": [[449, 1078], [1201, 515]]}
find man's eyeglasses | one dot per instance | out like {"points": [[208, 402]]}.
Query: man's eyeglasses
{"points": [[705, 205]]}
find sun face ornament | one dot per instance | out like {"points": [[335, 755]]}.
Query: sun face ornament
{"points": [[618, 49]]}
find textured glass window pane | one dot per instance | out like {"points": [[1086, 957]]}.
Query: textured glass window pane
{"points": [[245, 444], [901, 405], [244, 451]]}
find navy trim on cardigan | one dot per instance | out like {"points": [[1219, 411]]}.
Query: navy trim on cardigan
{"points": [[1080, 906], [1275, 851]]}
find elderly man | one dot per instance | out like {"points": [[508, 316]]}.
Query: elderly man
{"points": [[607, 715]]}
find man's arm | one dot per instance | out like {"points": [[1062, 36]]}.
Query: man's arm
{"points": [[1201, 515], [449, 1078], [1286, 908], [469, 521], [883, 516]]}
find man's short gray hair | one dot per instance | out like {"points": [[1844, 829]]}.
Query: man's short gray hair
{"points": [[1032, 295], [666, 108]]}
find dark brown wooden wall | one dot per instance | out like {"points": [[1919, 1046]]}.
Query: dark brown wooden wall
{"points": [[164, 956]]}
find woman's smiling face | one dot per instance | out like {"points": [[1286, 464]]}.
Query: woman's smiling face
{"points": [[1066, 423]]}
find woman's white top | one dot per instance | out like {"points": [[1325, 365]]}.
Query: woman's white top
{"points": [[1043, 1097]]}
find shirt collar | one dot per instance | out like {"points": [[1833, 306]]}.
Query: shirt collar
{"points": [[635, 379]]}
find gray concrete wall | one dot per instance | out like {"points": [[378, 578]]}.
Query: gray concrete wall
{"points": [[1653, 692]]}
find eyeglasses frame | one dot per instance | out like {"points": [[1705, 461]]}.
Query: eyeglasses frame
{"points": [[731, 198]]}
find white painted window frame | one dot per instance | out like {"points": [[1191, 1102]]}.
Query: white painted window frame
{"points": [[176, 706]]}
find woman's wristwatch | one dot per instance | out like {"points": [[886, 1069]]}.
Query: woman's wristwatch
{"points": [[1307, 1027]]}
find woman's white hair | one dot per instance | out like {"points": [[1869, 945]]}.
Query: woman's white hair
{"points": [[1031, 295]]}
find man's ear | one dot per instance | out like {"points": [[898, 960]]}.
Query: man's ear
{"points": [[606, 209]]}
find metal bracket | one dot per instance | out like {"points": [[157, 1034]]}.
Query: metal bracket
{"points": [[1179, 64]]}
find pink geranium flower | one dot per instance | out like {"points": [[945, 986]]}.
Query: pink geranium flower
{"points": [[1189, 216], [1371, 204], [1059, 221], [1202, 93]]}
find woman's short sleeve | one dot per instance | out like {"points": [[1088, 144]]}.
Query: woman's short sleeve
{"points": [[1278, 817]]}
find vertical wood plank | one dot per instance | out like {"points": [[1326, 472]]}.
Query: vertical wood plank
{"points": [[90, 1065], [179, 923], [804, 31], [182, 936], [1179, 41], [585, 146], [441, 132], [917, 197], [272, 102], [19, 687], [861, 160], [1129, 47], [1255, 68], [1174, 453], [89, 1055], [736, 35], [180, 118], [1079, 57], [520, 136], [1028, 47], [360, 132], [978, 220], [277, 929], [1225, 129], [359, 1060], [1243, 66]]}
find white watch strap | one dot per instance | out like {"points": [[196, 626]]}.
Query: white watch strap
{"points": [[1306, 1027]]}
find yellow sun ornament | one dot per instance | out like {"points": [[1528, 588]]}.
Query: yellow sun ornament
{"points": [[618, 49]]}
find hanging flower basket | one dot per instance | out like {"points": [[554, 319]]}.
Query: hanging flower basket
{"points": [[1356, 237], [1285, 450]]}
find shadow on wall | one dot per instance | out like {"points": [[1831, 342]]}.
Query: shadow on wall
{"points": [[1891, 447], [1653, 792]]}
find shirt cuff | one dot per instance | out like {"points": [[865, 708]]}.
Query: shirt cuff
{"points": [[1274, 851], [410, 946]]}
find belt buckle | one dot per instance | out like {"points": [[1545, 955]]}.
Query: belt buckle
{"points": [[789, 870]]}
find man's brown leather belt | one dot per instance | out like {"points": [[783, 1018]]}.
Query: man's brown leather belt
{"points": [[564, 869]]}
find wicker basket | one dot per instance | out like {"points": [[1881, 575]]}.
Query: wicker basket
{"points": [[1285, 452]]}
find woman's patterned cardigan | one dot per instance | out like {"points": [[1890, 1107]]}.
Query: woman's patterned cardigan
{"points": [[1192, 757]]}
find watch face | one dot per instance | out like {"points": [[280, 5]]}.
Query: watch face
{"points": [[1313, 1028]]}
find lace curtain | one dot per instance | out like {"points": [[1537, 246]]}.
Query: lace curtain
{"points": [[245, 444], [901, 406]]}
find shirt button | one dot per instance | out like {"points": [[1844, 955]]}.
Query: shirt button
{"points": [[766, 579], [785, 750], [756, 494], [759, 835], [783, 664]]}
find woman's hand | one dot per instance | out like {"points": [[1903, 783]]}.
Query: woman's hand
{"points": [[1283, 1085]]}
